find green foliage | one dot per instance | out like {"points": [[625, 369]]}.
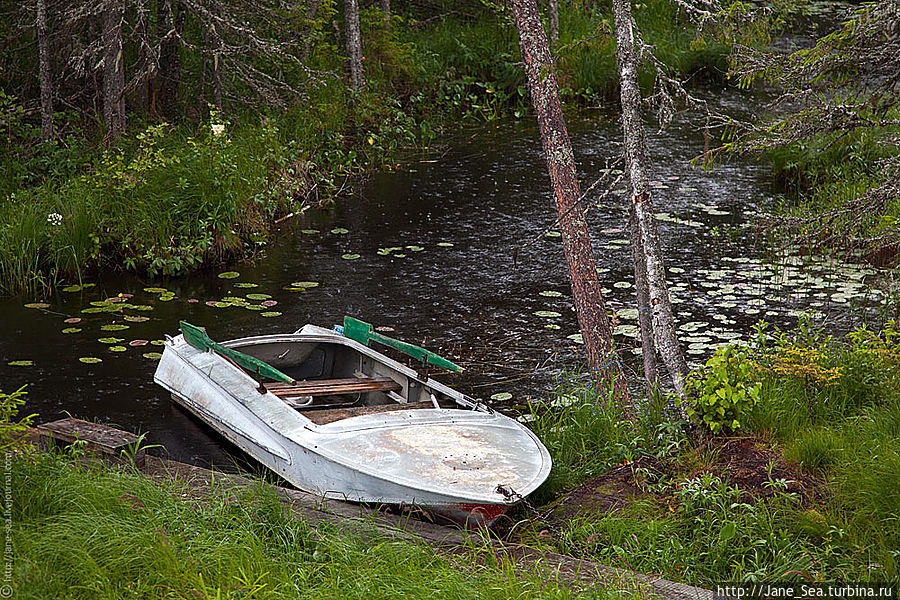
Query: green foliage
{"points": [[11, 429], [98, 534], [722, 393]]}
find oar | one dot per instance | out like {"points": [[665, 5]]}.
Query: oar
{"points": [[364, 333], [197, 337]]}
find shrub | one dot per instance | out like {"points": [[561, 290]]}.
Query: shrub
{"points": [[721, 392]]}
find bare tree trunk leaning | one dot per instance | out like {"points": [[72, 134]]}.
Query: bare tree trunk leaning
{"points": [[553, 18], [589, 304], [113, 70], [44, 73], [642, 205], [353, 39]]}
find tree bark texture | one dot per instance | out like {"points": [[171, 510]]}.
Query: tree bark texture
{"points": [[44, 72], [113, 70], [648, 347], [589, 304], [216, 67], [169, 24], [386, 11], [353, 39], [142, 28], [641, 202], [553, 18]]}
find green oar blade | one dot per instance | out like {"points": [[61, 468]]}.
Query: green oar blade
{"points": [[197, 337], [364, 332]]}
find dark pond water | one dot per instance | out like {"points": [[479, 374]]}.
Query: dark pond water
{"points": [[435, 244]]}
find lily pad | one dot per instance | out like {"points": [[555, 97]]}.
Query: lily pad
{"points": [[155, 290], [551, 294], [136, 319], [340, 230], [399, 255], [270, 313], [229, 275], [551, 326], [350, 256], [90, 359], [21, 363], [246, 284], [37, 305], [152, 355], [309, 231], [71, 330], [72, 320], [553, 234], [91, 310], [305, 284], [114, 327], [268, 303], [166, 298], [576, 337], [547, 313], [117, 348], [110, 340], [157, 342], [142, 307], [445, 244], [254, 307], [258, 296], [138, 343], [73, 288], [415, 248], [501, 396]]}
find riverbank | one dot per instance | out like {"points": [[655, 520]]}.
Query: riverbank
{"points": [[805, 489], [167, 199]]}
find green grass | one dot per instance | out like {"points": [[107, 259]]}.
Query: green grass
{"points": [[829, 406], [94, 534]]}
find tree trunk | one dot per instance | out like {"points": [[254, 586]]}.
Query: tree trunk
{"points": [[648, 347], [386, 10], [353, 40], [169, 24], [44, 73], [113, 70], [589, 304], [642, 205], [216, 67], [142, 27], [553, 17]]}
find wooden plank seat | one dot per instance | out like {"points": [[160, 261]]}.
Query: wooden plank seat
{"points": [[329, 387], [323, 417]]}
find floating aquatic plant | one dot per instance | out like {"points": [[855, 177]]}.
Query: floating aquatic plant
{"points": [[21, 363], [576, 337], [138, 343], [229, 275], [270, 313], [71, 330], [72, 320], [547, 313], [37, 305], [350, 256], [110, 340], [309, 231], [90, 359], [152, 355], [156, 290], [258, 296], [551, 294], [245, 284], [117, 348], [445, 244], [501, 396], [114, 327], [340, 230]]}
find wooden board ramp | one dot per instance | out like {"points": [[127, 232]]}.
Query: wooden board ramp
{"points": [[110, 444], [201, 483]]}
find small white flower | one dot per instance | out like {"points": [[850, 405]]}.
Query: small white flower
{"points": [[217, 129], [55, 219]]}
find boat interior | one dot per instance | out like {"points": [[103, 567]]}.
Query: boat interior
{"points": [[336, 382]]}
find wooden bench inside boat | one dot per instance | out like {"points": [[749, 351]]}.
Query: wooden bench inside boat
{"points": [[331, 387], [323, 417]]}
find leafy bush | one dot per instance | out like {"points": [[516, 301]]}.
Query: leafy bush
{"points": [[722, 394], [10, 429]]}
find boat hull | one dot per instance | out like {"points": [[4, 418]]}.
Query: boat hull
{"points": [[466, 465]]}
